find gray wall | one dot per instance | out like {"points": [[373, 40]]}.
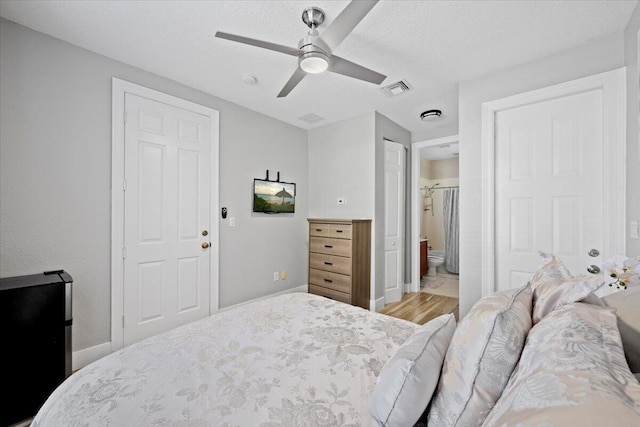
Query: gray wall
{"points": [[633, 145], [347, 159], [596, 57], [55, 177], [342, 164]]}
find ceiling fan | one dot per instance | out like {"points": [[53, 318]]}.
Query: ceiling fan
{"points": [[314, 50]]}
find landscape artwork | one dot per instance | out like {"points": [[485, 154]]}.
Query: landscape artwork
{"points": [[273, 197]]}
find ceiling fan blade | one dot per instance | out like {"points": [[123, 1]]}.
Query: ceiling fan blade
{"points": [[259, 43], [351, 69], [346, 22], [297, 76]]}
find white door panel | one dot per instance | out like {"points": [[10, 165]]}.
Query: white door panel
{"points": [[549, 185], [394, 177], [167, 208]]}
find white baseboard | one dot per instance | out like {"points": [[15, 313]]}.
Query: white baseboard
{"points": [[82, 358], [301, 288], [376, 305]]}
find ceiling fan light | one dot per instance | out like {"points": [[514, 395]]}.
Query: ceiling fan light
{"points": [[314, 62]]}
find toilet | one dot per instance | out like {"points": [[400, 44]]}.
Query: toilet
{"points": [[435, 259]]}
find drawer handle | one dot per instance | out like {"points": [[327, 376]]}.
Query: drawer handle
{"points": [[318, 229], [328, 246], [338, 231], [328, 263], [328, 280]]}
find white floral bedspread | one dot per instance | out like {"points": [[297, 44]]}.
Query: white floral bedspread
{"points": [[291, 360]]}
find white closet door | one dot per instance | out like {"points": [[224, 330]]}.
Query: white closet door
{"points": [[167, 214], [394, 177], [549, 185]]}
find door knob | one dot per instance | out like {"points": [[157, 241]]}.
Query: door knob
{"points": [[594, 253], [205, 245], [593, 269]]}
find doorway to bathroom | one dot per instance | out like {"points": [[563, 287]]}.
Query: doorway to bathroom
{"points": [[436, 184]]}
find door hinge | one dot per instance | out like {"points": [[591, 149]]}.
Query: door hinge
{"points": [[124, 252], [124, 185], [124, 322], [125, 117]]}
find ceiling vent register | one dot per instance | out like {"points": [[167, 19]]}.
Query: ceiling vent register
{"points": [[397, 88]]}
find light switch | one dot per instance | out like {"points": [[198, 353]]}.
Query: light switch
{"points": [[232, 221], [633, 229]]}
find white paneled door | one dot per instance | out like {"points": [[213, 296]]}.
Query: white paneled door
{"points": [[166, 217], [549, 192], [394, 178]]}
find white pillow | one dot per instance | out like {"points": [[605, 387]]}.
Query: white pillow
{"points": [[407, 381]]}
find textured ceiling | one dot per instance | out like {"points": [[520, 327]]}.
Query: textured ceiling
{"points": [[434, 45]]}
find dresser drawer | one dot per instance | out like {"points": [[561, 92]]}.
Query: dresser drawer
{"points": [[320, 230], [324, 245], [340, 231], [327, 279], [337, 264], [330, 293]]}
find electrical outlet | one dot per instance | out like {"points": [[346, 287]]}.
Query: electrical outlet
{"points": [[283, 275], [633, 229], [276, 276], [342, 200]]}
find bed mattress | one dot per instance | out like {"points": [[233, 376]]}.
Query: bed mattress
{"points": [[291, 360]]}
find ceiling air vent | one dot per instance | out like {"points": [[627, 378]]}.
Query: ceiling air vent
{"points": [[311, 118], [397, 88]]}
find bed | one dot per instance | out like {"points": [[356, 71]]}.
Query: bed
{"points": [[295, 359]]}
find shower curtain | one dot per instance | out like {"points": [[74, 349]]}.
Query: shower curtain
{"points": [[451, 230]]}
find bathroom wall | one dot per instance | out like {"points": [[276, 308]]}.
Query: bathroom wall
{"points": [[446, 173]]}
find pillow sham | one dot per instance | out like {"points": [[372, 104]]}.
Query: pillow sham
{"points": [[627, 303], [407, 381], [572, 372], [553, 286], [551, 295], [483, 353]]}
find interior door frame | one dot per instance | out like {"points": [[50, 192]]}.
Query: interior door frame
{"points": [[119, 88], [612, 84], [416, 201]]}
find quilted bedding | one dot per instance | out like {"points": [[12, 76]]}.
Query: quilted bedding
{"points": [[296, 359]]}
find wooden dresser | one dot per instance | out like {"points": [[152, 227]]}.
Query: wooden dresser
{"points": [[340, 259]]}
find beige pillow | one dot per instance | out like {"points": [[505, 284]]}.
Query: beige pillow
{"points": [[407, 381], [553, 286], [483, 352], [627, 305], [572, 372], [551, 295]]}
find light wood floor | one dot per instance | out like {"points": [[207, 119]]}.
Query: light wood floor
{"points": [[420, 307]]}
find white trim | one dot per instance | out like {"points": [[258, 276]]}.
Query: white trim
{"points": [[301, 288], [376, 305], [416, 209], [119, 88], [612, 84], [81, 358]]}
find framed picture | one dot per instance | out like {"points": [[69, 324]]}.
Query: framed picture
{"points": [[273, 196]]}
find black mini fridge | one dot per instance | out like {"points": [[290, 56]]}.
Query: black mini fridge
{"points": [[35, 341]]}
